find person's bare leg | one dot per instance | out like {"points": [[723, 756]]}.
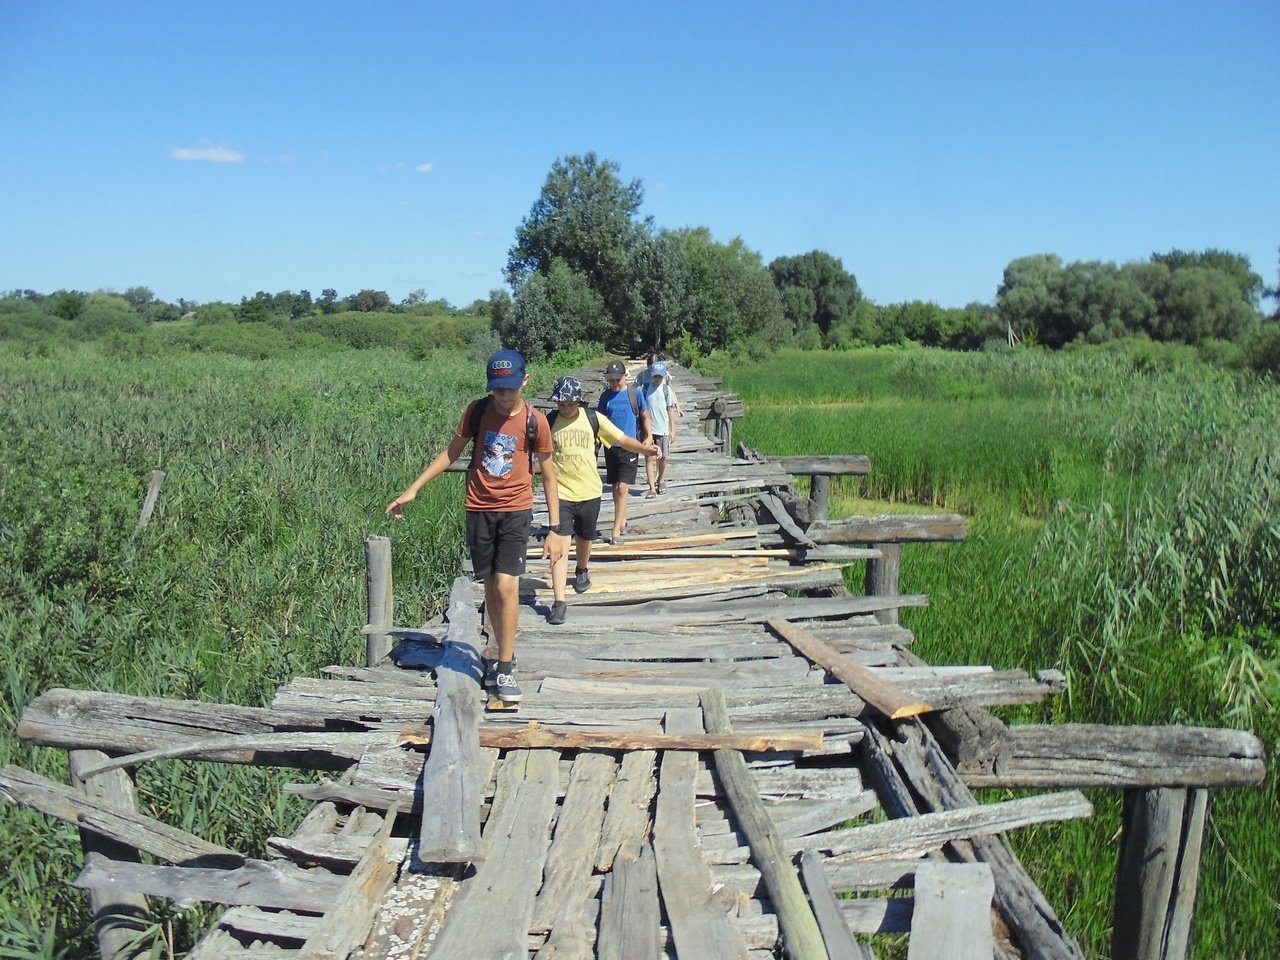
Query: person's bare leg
{"points": [[502, 600], [560, 576], [619, 508], [648, 471], [584, 553]]}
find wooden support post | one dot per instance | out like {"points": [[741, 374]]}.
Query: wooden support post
{"points": [[1158, 872], [820, 494], [118, 916], [882, 578], [153, 494], [381, 605]]}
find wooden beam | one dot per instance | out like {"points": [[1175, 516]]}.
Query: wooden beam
{"points": [[574, 738], [801, 936], [885, 697], [831, 466], [889, 528], [379, 597], [952, 916]]}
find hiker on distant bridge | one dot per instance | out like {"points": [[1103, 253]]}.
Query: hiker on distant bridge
{"points": [[575, 431], [662, 403], [625, 405], [508, 433]]}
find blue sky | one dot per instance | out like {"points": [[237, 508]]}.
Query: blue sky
{"points": [[211, 150]]}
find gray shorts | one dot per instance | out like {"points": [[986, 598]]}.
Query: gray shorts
{"points": [[663, 442]]}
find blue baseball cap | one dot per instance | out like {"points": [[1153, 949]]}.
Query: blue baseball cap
{"points": [[659, 369], [506, 370]]}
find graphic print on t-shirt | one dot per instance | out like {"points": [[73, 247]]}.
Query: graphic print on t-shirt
{"points": [[499, 452]]}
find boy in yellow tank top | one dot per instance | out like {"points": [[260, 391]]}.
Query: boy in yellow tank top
{"points": [[573, 440]]}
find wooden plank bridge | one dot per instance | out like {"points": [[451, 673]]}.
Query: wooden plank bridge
{"points": [[724, 752]]}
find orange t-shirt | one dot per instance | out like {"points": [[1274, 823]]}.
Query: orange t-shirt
{"points": [[499, 478]]}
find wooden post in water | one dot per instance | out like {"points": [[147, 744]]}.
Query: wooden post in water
{"points": [[381, 604], [1158, 872], [882, 578], [119, 916]]}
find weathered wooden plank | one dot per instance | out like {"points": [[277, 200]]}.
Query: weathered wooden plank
{"points": [[491, 914], [801, 937], [831, 466], [886, 697], [126, 827], [113, 723], [952, 918], [625, 832], [779, 514], [1097, 755], [576, 843], [929, 831], [630, 922], [256, 883], [450, 825], [565, 738], [347, 921], [698, 927], [839, 940], [889, 528], [340, 853]]}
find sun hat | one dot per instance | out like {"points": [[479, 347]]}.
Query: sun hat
{"points": [[505, 370], [567, 390], [659, 369], [616, 368]]}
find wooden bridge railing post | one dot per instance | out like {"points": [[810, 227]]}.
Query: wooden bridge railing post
{"points": [[820, 494], [119, 917], [1158, 871], [882, 578], [380, 601]]}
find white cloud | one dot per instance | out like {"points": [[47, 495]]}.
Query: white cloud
{"points": [[207, 153], [424, 167]]}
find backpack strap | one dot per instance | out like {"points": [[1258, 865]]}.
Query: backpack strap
{"points": [[635, 401], [593, 418]]}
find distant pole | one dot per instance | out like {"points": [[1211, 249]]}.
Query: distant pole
{"points": [[153, 494], [820, 494], [381, 604]]}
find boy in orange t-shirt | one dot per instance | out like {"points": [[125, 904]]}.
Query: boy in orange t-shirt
{"points": [[499, 502]]}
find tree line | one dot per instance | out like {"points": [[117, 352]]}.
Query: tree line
{"points": [[586, 267]]}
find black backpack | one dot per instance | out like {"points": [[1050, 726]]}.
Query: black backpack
{"points": [[477, 414]]}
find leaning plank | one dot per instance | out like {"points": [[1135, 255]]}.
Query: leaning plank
{"points": [[779, 513], [801, 936], [491, 915], [257, 883], [346, 923], [841, 944], [929, 831], [698, 926], [450, 826], [952, 918], [630, 918], [886, 697], [130, 828], [561, 738], [339, 747]]}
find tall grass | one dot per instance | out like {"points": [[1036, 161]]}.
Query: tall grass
{"points": [[249, 573], [1124, 529]]}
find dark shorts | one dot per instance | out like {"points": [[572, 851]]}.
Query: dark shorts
{"points": [[620, 465], [498, 541], [579, 519]]}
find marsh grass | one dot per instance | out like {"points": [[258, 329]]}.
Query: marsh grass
{"points": [[1123, 528]]}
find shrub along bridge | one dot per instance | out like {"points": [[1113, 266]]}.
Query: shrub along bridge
{"points": [[723, 753]]}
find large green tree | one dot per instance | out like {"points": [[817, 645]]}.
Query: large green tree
{"points": [[732, 296], [834, 291], [587, 217]]}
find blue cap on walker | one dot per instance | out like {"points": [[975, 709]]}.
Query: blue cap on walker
{"points": [[506, 370]]}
